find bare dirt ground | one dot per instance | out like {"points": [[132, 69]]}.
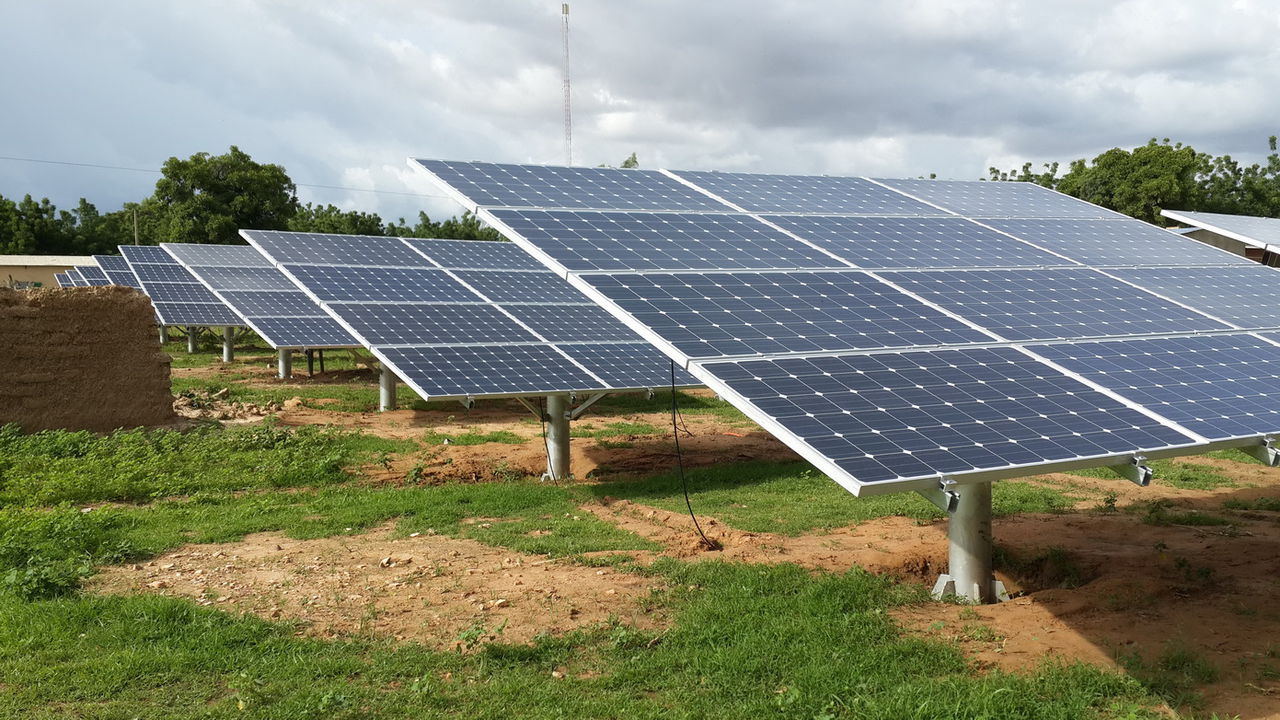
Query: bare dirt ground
{"points": [[1092, 585]]}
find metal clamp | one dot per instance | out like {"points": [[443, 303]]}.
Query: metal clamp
{"points": [[1135, 471], [469, 402], [942, 497], [1266, 453]]}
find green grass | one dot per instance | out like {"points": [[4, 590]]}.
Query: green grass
{"points": [[1173, 674], [614, 430], [54, 466], [343, 397], [1266, 504], [627, 403], [744, 642], [1163, 512], [1181, 475], [473, 438], [793, 498]]}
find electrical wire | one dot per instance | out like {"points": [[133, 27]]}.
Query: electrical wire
{"points": [[684, 483]]}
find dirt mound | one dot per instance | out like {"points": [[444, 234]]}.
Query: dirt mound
{"points": [[214, 405], [81, 358], [441, 591]]}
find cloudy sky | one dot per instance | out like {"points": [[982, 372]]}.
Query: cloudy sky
{"points": [[340, 93]]}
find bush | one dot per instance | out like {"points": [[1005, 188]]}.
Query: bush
{"points": [[46, 552]]}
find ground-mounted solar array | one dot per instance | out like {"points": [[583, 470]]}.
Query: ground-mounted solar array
{"points": [[262, 296], [1260, 232], [63, 280], [178, 297], [117, 270], [93, 275], [466, 319], [900, 333]]}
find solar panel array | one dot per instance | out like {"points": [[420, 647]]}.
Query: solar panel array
{"points": [[178, 297], [63, 280], [75, 278], [458, 319], [1262, 232], [93, 275], [901, 332], [117, 270], [262, 296]]}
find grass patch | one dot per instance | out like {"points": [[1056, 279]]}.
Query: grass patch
{"points": [[340, 397], [1182, 475], [793, 498], [1266, 504], [473, 438], [1173, 675], [55, 466], [614, 430], [746, 641], [1163, 512], [689, 404]]}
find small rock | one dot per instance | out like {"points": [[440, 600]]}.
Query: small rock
{"points": [[557, 674], [158, 584]]}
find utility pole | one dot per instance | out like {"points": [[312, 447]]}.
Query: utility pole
{"points": [[568, 113], [135, 226]]}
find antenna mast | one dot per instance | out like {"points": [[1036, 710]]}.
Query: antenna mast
{"points": [[568, 112]]}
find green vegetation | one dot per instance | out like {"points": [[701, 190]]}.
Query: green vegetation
{"points": [[1266, 504], [57, 466], [744, 641], [1179, 474], [615, 430], [1163, 512], [793, 498], [339, 397], [687, 403], [1173, 674], [473, 438]]}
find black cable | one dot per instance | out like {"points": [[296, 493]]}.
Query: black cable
{"points": [[684, 483]]}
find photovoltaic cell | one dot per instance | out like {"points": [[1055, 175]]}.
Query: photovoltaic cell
{"points": [[63, 280], [1219, 386], [181, 292], [124, 278], [318, 249], [534, 286], [1050, 304], [272, 303], [184, 313], [719, 314], [795, 194], [149, 273], [178, 297], [498, 369], [532, 186], [573, 323], [1247, 296], [654, 241], [445, 324], [629, 364], [1118, 241], [303, 332], [892, 417], [75, 278], [998, 199], [93, 275], [109, 263], [245, 278], [938, 242], [476, 254], [336, 283]]}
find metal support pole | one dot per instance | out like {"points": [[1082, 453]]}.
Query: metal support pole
{"points": [[284, 363], [228, 344], [386, 390], [557, 437], [969, 572], [191, 339], [164, 334]]}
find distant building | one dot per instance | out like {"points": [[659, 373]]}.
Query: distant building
{"points": [[1256, 238], [37, 270]]}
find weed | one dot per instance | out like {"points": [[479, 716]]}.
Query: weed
{"points": [[473, 438], [1108, 503], [1162, 512], [1265, 504]]}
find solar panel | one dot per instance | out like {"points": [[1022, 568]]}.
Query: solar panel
{"points": [[321, 249], [1114, 242], [891, 242], [73, 275], [1263, 232], [93, 275], [467, 332], [796, 194], [998, 199], [109, 263], [63, 280], [661, 241], [178, 297], [1050, 304], [262, 296], [1220, 386], [1254, 291], [888, 344], [533, 186]]}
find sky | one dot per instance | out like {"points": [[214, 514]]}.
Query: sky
{"points": [[341, 93]]}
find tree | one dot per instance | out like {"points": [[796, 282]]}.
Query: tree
{"points": [[209, 198], [465, 227], [631, 163], [331, 219]]}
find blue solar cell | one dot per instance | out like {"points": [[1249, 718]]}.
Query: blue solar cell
{"points": [[62, 280], [244, 278], [570, 323], [93, 275], [109, 263], [713, 315], [346, 284], [889, 417], [1219, 386], [807, 194], [272, 303], [206, 314], [166, 292], [654, 241], [915, 242], [216, 255], [1048, 304], [513, 286], [76, 279], [628, 365], [1246, 296], [125, 278], [145, 254], [487, 370], [171, 272], [536, 186], [431, 324], [475, 254], [316, 249], [1119, 241], [303, 332], [978, 199]]}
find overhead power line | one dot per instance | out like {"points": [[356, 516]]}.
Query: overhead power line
{"points": [[157, 172]]}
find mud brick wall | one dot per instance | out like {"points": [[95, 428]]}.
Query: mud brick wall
{"points": [[86, 358]]}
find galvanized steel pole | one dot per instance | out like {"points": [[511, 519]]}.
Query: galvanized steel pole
{"points": [[386, 390]]}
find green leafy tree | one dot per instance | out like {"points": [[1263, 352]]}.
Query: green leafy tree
{"points": [[332, 219], [631, 163], [464, 227], [209, 198]]}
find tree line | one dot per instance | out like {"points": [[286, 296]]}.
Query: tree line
{"points": [[205, 199], [1163, 175]]}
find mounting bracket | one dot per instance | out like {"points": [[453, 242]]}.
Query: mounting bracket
{"points": [[942, 497], [1266, 453], [1135, 471], [537, 411], [582, 407], [468, 402], [649, 394]]}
